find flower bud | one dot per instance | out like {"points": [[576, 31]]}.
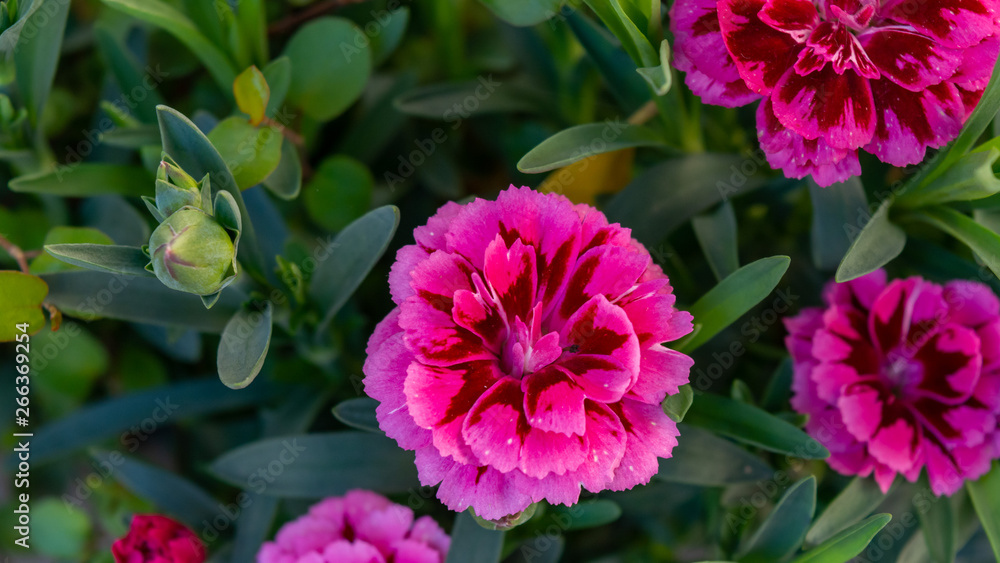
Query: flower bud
{"points": [[175, 188], [192, 252]]}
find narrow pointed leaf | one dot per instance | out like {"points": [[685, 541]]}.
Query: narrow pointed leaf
{"points": [[835, 208], [170, 493], [984, 494], [938, 526], [781, 534], [856, 501], [847, 544], [128, 260], [322, 465], [731, 298], [984, 242], [174, 22], [579, 142], [717, 236], [877, 244], [753, 426], [351, 256], [87, 179]]}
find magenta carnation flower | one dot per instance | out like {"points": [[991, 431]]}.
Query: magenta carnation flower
{"points": [[901, 376], [892, 77], [153, 538], [360, 527], [524, 358]]}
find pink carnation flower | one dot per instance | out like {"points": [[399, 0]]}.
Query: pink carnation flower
{"points": [[892, 77], [524, 358], [360, 527], [153, 538], [901, 376]]}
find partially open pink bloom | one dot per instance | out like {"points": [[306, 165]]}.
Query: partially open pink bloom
{"points": [[153, 538], [893, 77], [360, 527], [524, 358], [902, 376]]}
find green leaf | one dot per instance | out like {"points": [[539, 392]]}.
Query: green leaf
{"points": [[243, 347], [66, 379], [733, 297], [970, 178], [278, 74], [582, 141], [984, 242], [676, 406], [250, 153], [847, 544], [781, 534], [590, 514], [112, 418], [320, 465], [393, 27], [633, 40], [128, 260], [352, 255], [92, 295], [612, 62], [704, 459], [938, 525], [984, 494], [286, 180], [36, 54], [174, 22], [130, 75], [324, 86], [524, 13], [252, 94], [875, 246], [717, 236], [132, 138], [170, 493], [453, 102], [358, 413], [834, 208], [753, 426], [251, 16], [856, 501], [194, 153], [661, 76], [339, 192], [472, 542], [59, 530], [669, 194], [22, 296], [85, 180], [45, 264]]}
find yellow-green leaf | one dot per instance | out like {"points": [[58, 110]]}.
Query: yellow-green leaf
{"points": [[252, 94], [250, 153], [22, 296]]}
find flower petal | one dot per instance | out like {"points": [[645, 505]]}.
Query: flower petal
{"points": [[554, 402], [512, 274], [700, 52], [661, 373], [953, 23], [911, 60], [650, 434], [762, 54], [600, 328], [835, 107], [797, 18]]}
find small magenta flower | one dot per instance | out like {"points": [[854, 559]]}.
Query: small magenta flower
{"points": [[524, 358], [360, 527], [157, 539], [902, 376], [893, 77]]}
